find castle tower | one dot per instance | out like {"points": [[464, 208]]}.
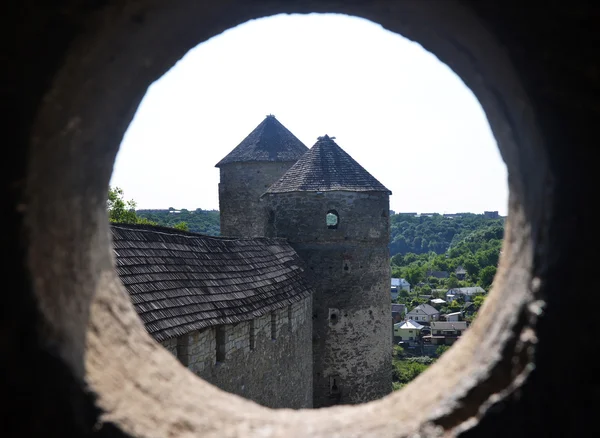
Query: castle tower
{"points": [[336, 216], [248, 170]]}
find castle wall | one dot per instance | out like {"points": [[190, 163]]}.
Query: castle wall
{"points": [[350, 269], [241, 210], [276, 373]]}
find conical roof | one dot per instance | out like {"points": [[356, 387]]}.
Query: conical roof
{"points": [[326, 167], [270, 141]]}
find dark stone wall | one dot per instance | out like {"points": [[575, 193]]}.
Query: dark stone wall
{"points": [[276, 373], [350, 271], [242, 184]]}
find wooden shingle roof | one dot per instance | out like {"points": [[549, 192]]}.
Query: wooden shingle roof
{"points": [[180, 282], [326, 167], [269, 141]]}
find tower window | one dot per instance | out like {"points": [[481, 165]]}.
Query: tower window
{"points": [[332, 219], [334, 388], [252, 335], [273, 325], [221, 339]]}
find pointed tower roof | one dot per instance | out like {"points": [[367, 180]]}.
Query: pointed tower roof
{"points": [[326, 167], [270, 141]]}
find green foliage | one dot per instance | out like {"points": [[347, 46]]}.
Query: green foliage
{"points": [[398, 351], [420, 235], [455, 305], [474, 243], [397, 386], [441, 350], [452, 281], [198, 221], [424, 360], [407, 370], [486, 276], [121, 211], [478, 300], [183, 226]]}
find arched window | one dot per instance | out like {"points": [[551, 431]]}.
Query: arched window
{"points": [[332, 219]]}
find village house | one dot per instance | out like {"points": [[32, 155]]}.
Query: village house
{"points": [[424, 313], [454, 316], [445, 332], [436, 302], [460, 273], [465, 293], [399, 284], [407, 331]]}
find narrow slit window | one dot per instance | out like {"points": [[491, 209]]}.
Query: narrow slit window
{"points": [[289, 312], [182, 349], [252, 335], [332, 219], [221, 339], [273, 325]]}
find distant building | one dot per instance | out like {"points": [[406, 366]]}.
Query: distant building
{"points": [[445, 333], [437, 274], [460, 273], [454, 316], [408, 330], [397, 285], [491, 215], [423, 313], [464, 292], [437, 301]]}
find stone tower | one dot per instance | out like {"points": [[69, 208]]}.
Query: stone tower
{"points": [[248, 170], [336, 216]]}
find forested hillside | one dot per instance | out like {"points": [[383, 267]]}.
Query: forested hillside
{"points": [[421, 235], [198, 221], [477, 252]]}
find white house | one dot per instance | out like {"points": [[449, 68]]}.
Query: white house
{"points": [[407, 331], [423, 313], [454, 316], [399, 284], [466, 292]]}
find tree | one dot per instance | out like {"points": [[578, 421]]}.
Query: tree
{"points": [[452, 281], [121, 211], [486, 276], [183, 226], [478, 300]]}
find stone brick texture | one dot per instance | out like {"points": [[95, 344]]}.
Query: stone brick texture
{"points": [[276, 373], [240, 188], [349, 269]]}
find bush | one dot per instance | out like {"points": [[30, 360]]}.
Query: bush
{"points": [[405, 370], [441, 350]]}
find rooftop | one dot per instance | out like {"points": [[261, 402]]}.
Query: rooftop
{"points": [[326, 167], [179, 282], [408, 324], [426, 309], [269, 141]]}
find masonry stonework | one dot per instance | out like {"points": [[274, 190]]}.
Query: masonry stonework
{"points": [[242, 183], [349, 266], [274, 371]]}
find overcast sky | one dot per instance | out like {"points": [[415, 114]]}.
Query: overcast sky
{"points": [[402, 114]]}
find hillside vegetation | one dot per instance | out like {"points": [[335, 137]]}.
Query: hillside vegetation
{"points": [[197, 221]]}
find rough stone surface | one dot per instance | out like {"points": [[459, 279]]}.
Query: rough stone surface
{"points": [[276, 373], [350, 271], [76, 359], [241, 186]]}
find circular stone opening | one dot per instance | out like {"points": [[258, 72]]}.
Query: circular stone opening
{"points": [[88, 316]]}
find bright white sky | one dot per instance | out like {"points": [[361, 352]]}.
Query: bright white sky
{"points": [[402, 114]]}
